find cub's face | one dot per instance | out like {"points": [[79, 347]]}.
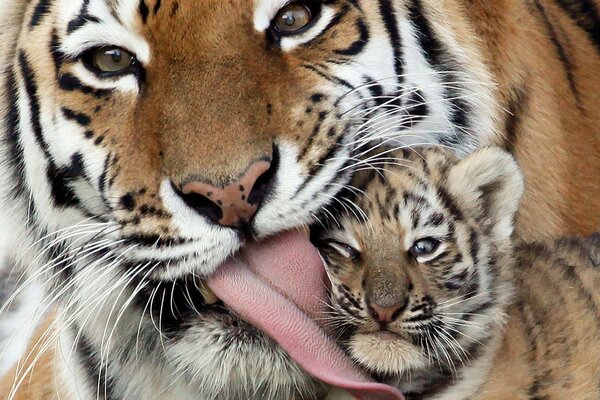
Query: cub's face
{"points": [[149, 140], [422, 271]]}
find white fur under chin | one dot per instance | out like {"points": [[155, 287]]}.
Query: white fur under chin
{"points": [[386, 355]]}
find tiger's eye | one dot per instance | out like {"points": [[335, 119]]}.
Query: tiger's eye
{"points": [[424, 247], [292, 18], [112, 59]]}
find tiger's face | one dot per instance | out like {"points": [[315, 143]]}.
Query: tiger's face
{"points": [[150, 140], [423, 271]]}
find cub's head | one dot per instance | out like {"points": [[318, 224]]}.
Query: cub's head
{"points": [[420, 261]]}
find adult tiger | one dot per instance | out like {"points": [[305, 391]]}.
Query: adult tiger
{"points": [[145, 141]]}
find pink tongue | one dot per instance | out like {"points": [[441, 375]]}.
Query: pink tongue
{"points": [[252, 285]]}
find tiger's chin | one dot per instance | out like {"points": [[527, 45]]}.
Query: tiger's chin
{"points": [[385, 353]]}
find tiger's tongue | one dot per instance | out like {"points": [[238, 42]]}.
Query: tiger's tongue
{"points": [[278, 287]]}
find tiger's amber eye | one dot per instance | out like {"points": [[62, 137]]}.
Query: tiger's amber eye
{"points": [[292, 18], [112, 59]]}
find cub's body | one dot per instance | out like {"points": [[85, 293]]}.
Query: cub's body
{"points": [[431, 294]]}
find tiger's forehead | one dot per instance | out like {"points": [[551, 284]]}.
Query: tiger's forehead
{"points": [[128, 12], [132, 24]]}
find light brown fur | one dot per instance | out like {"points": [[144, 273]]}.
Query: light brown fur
{"points": [[551, 346]]}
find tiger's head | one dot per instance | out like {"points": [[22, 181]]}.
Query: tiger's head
{"points": [[147, 141], [421, 266]]}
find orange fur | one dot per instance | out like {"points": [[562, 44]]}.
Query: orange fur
{"points": [[41, 382]]}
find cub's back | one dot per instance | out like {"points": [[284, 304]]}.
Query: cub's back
{"points": [[554, 325]]}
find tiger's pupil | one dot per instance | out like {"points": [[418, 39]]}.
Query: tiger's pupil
{"points": [[116, 56], [289, 20], [425, 247]]}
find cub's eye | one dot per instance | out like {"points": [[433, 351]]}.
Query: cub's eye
{"points": [[345, 250], [293, 17], [424, 247], [109, 60]]}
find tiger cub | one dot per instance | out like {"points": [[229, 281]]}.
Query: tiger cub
{"points": [[429, 292]]}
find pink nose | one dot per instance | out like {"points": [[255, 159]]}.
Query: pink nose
{"points": [[386, 314], [237, 201]]}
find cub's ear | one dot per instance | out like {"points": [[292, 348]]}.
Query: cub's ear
{"points": [[488, 186]]}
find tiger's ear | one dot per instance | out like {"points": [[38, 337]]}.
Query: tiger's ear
{"points": [[488, 186]]}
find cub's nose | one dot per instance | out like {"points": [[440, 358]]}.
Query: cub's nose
{"points": [[386, 314], [235, 203]]}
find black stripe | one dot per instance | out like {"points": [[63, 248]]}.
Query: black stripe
{"points": [[103, 181], [587, 16], [328, 154], [58, 178], [174, 304], [432, 47], [82, 18], [144, 11], [436, 219], [81, 118], [39, 12], [359, 44], [329, 77], [450, 204], [34, 105], [57, 56], [386, 9], [582, 291], [560, 51], [415, 107], [334, 21], [592, 246], [440, 60], [315, 132], [376, 91], [474, 247], [70, 82], [95, 370], [530, 321], [517, 106], [157, 7], [12, 137]]}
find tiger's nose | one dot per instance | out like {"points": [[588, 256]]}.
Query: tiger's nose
{"points": [[387, 314], [235, 203]]}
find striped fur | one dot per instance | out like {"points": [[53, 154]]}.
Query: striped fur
{"points": [[484, 319], [92, 165]]}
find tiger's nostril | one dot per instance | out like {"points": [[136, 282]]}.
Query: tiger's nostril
{"points": [[201, 204], [261, 186], [235, 203]]}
